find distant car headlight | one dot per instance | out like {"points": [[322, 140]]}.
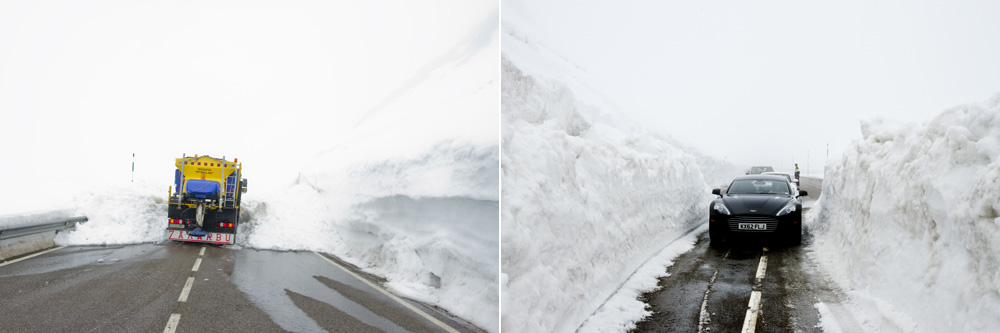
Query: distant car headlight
{"points": [[721, 209], [790, 207]]}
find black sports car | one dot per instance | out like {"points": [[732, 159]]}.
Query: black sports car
{"points": [[756, 204]]}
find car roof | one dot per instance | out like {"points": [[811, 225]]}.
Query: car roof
{"points": [[775, 173], [762, 177]]}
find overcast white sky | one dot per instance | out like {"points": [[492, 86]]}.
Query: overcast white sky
{"points": [[84, 84], [768, 82]]}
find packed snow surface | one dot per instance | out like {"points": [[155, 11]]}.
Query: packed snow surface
{"points": [[588, 197], [908, 222]]}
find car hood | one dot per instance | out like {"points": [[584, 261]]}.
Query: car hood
{"points": [[757, 204]]}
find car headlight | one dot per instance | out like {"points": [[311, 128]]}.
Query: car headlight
{"points": [[721, 209], [790, 207]]}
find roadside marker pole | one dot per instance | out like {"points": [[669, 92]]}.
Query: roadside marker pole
{"points": [[133, 167]]}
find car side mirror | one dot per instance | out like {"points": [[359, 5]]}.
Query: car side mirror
{"points": [[803, 193], [717, 191]]}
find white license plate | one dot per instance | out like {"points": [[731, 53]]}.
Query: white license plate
{"points": [[753, 226], [215, 238]]}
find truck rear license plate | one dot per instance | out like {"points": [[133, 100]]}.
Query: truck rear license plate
{"points": [[753, 226], [214, 238]]}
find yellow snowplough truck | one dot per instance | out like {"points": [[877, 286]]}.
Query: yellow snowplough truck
{"points": [[204, 202]]}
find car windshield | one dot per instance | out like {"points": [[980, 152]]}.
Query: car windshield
{"points": [[758, 186], [759, 170]]}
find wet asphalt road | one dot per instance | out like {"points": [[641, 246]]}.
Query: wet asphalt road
{"points": [[709, 289], [137, 288]]}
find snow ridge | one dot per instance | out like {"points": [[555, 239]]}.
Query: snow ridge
{"points": [[119, 214], [427, 222], [585, 204], [909, 219]]}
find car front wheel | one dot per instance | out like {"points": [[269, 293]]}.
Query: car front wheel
{"points": [[794, 236], [716, 234]]}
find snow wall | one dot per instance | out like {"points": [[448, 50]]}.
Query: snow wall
{"points": [[909, 220], [584, 204], [426, 221]]}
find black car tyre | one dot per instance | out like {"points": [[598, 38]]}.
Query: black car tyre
{"points": [[794, 236], [716, 235]]}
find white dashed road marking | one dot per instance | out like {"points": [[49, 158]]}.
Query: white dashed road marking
{"points": [[175, 318], [753, 309], [762, 267], [186, 290], [172, 323], [750, 322]]}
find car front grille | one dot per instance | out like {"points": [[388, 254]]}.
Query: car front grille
{"points": [[770, 222]]}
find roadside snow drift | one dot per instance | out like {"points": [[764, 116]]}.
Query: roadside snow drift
{"points": [[120, 214], [585, 204], [909, 219], [437, 244]]}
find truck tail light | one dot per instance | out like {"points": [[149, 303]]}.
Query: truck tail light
{"points": [[227, 225]]}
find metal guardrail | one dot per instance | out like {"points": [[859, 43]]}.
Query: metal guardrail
{"points": [[12, 231]]}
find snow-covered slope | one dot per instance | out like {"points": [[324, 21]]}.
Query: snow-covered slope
{"points": [[588, 196], [908, 222]]}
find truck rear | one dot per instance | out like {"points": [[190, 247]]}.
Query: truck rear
{"points": [[204, 202]]}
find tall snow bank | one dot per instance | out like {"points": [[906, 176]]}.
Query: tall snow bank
{"points": [[909, 217], [584, 204], [427, 222], [119, 214], [412, 193]]}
